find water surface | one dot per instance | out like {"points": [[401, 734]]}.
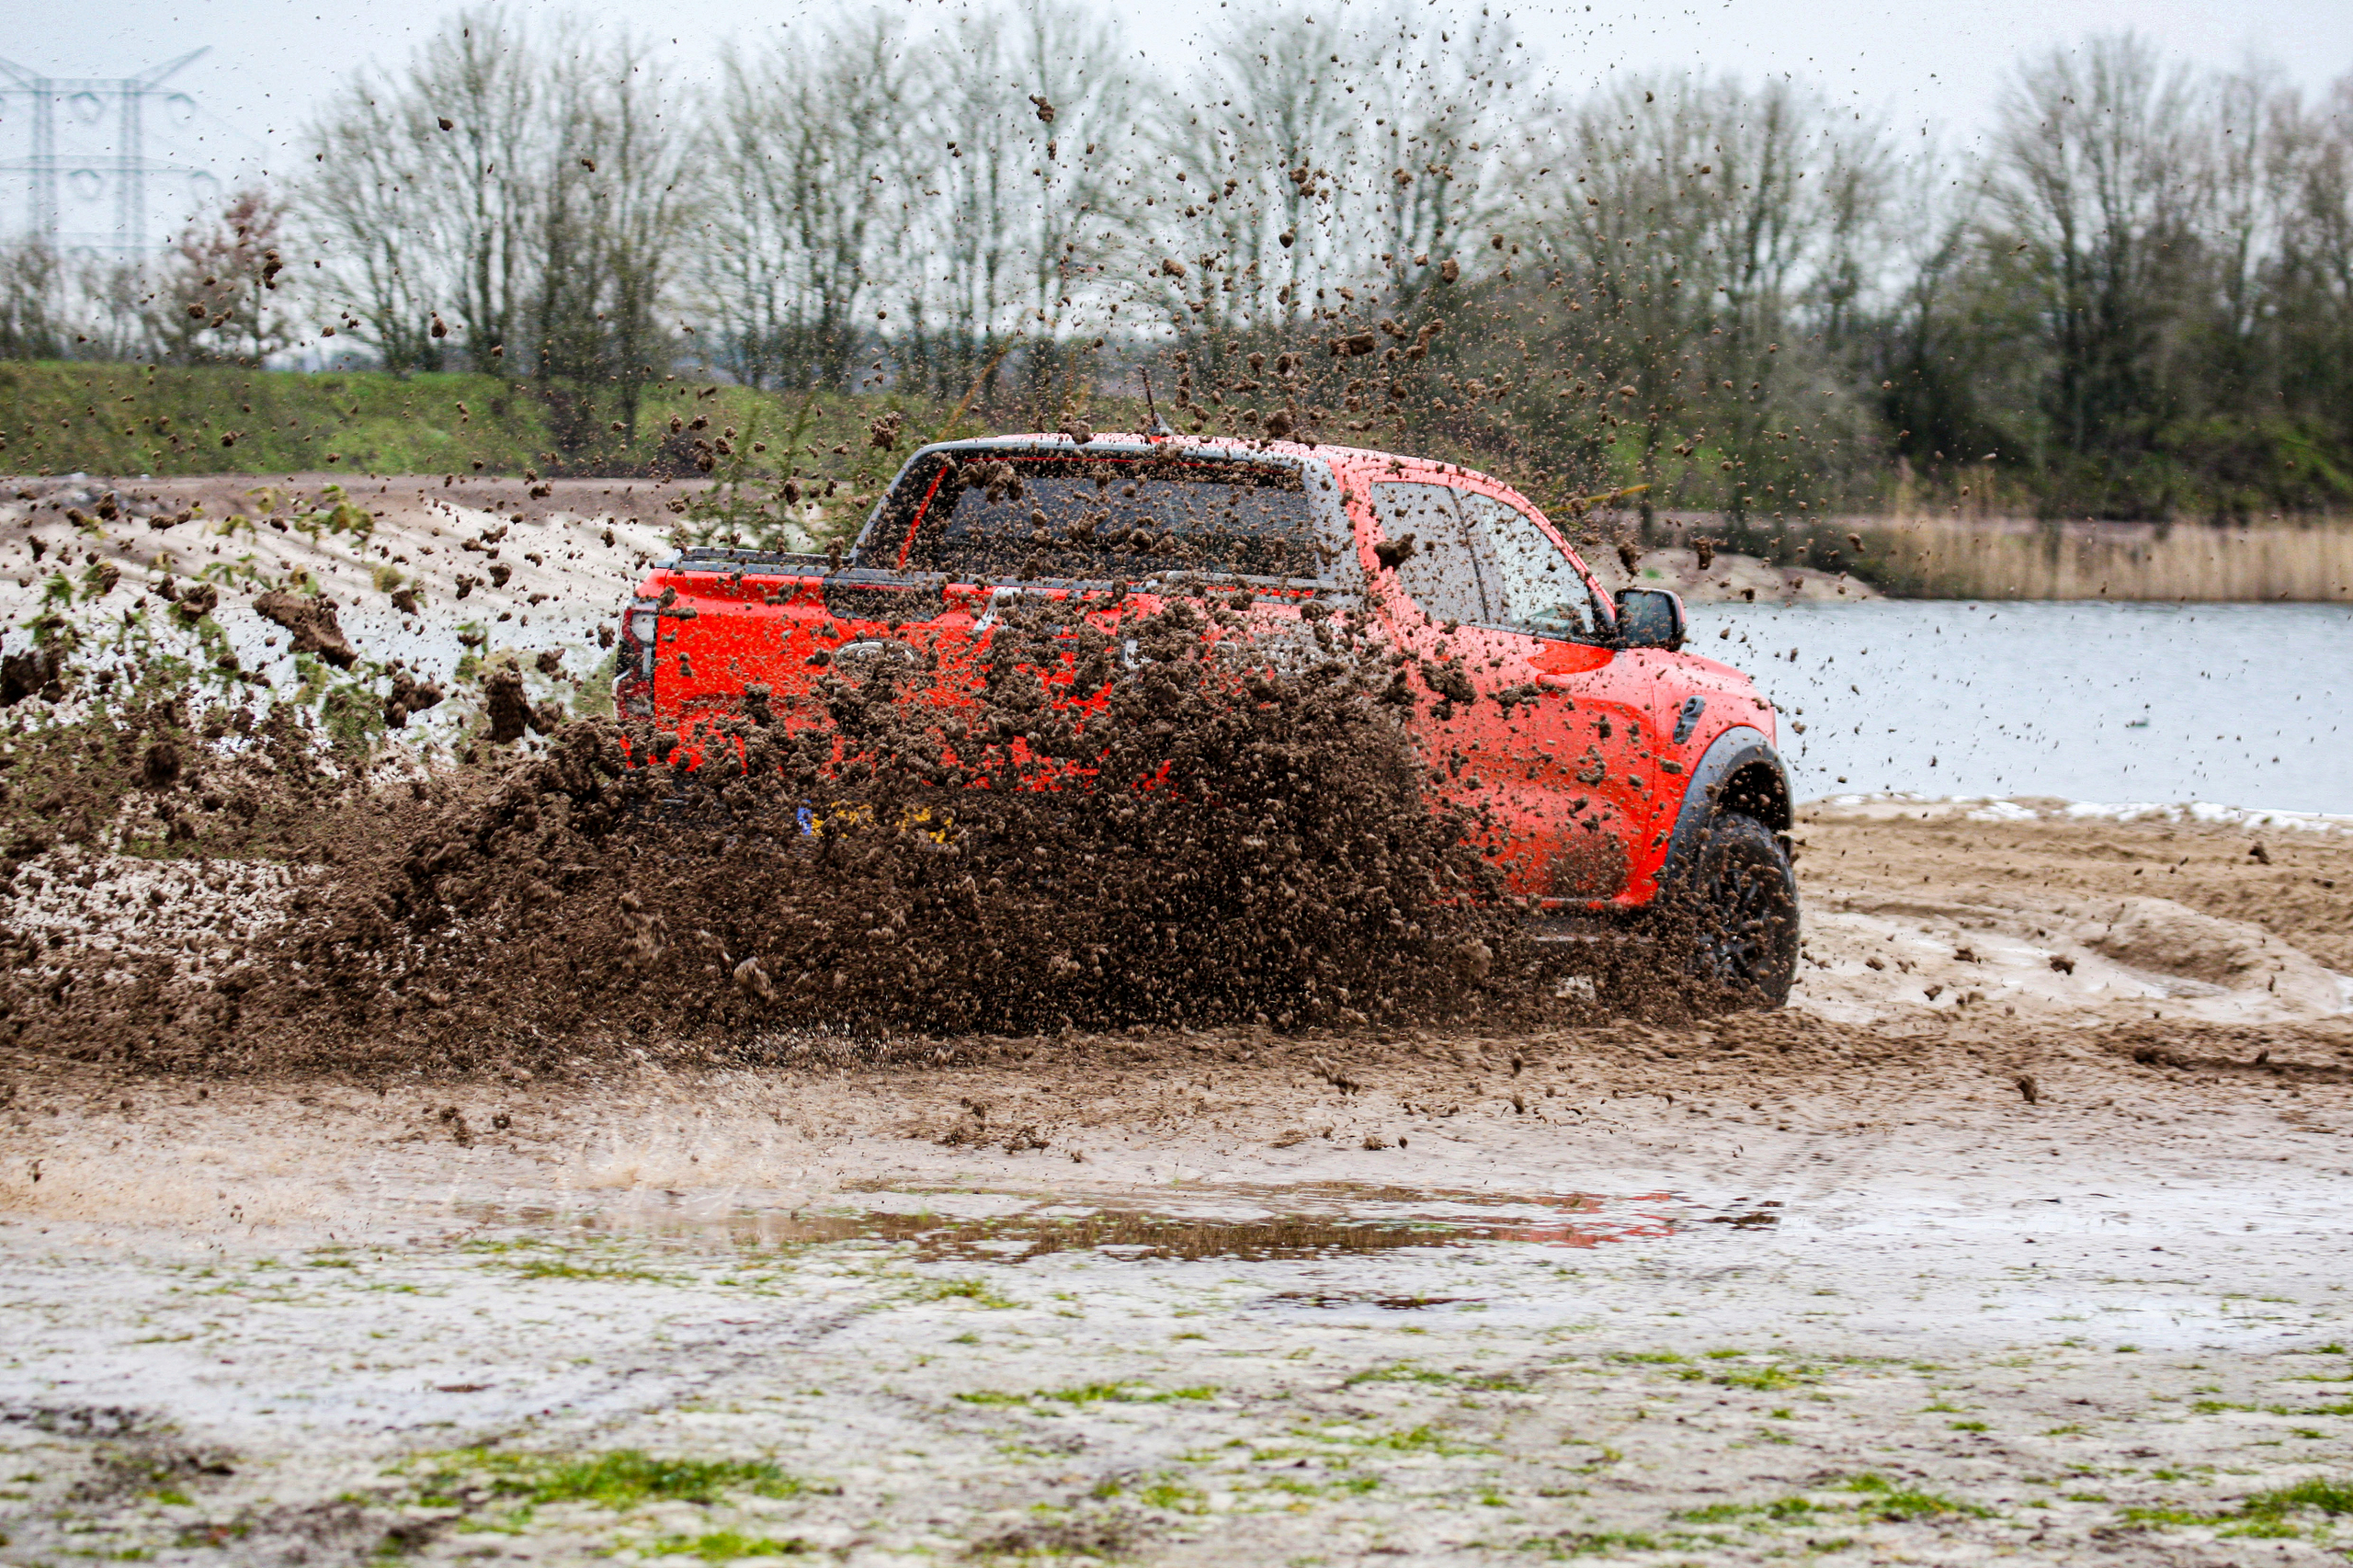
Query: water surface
{"points": [[2243, 704]]}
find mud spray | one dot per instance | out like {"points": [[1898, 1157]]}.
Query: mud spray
{"points": [[1204, 843]]}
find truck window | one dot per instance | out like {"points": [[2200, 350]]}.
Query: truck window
{"points": [[1439, 575], [1531, 584], [1011, 516]]}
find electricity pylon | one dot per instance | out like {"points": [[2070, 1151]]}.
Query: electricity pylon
{"points": [[127, 167]]}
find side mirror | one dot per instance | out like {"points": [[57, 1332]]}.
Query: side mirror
{"points": [[1650, 618]]}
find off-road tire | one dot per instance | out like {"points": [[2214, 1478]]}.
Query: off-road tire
{"points": [[1736, 914]]}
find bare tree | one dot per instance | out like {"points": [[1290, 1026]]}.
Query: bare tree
{"points": [[2307, 296], [362, 208], [1028, 156], [799, 200], [430, 188], [2087, 176], [515, 196], [1362, 155], [1711, 236], [603, 240]]}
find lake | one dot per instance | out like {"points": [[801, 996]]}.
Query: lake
{"points": [[2237, 703]]}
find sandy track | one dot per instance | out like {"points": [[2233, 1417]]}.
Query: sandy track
{"points": [[1147, 1295]]}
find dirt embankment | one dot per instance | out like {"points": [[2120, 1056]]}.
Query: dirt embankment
{"points": [[394, 549]]}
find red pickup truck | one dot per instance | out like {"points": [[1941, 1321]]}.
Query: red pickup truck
{"points": [[1626, 776]]}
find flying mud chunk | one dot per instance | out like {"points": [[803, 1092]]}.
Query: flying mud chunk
{"points": [[160, 766], [311, 622], [510, 712], [504, 703], [36, 673], [408, 696]]}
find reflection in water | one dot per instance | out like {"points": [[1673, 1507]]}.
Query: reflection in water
{"points": [[1341, 1220]]}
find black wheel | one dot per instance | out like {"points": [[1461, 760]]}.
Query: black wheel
{"points": [[1738, 913]]}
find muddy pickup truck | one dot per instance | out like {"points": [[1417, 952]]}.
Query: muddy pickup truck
{"points": [[1627, 777]]}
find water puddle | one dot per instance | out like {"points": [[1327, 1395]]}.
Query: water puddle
{"points": [[1242, 1223]]}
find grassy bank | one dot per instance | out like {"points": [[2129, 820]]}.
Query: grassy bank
{"points": [[127, 419]]}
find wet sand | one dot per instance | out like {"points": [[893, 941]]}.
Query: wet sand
{"points": [[2018, 1234]]}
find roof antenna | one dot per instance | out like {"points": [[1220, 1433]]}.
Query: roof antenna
{"points": [[1159, 428]]}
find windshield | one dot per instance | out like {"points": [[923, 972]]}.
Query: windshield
{"points": [[1103, 518]]}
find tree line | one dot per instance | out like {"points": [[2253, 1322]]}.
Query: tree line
{"points": [[2135, 299]]}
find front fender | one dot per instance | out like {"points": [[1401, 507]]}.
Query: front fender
{"points": [[1741, 754]]}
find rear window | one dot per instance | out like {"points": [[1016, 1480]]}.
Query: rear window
{"points": [[994, 515]]}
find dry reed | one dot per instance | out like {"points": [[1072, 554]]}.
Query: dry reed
{"points": [[2303, 560]]}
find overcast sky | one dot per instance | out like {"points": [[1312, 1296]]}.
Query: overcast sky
{"points": [[1934, 62]]}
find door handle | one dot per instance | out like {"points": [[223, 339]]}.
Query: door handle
{"points": [[1687, 719]]}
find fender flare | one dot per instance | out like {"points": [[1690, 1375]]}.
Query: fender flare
{"points": [[1742, 748]]}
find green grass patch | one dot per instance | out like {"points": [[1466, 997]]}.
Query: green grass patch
{"points": [[978, 1292], [621, 1479], [1422, 1439], [2174, 1517], [1728, 1513], [544, 1260], [1764, 1379], [1890, 1501], [2316, 1493], [108, 418], [1410, 1372], [1090, 1393], [1591, 1543], [1174, 1496], [564, 1268], [725, 1546]]}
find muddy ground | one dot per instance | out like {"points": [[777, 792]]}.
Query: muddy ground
{"points": [[2018, 1234]]}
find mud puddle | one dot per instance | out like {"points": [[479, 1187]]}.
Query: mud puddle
{"points": [[1241, 1222]]}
